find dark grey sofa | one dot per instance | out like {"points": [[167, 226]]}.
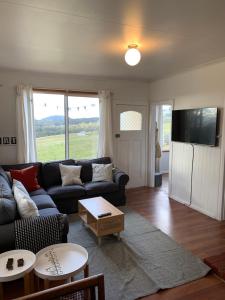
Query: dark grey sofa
{"points": [[45, 205], [66, 197], [53, 198]]}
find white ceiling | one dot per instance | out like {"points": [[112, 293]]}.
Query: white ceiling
{"points": [[89, 37]]}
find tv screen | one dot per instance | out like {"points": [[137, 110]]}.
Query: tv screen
{"points": [[196, 126]]}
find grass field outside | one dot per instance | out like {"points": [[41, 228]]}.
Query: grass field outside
{"points": [[80, 146]]}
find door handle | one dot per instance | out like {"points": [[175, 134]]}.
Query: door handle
{"points": [[117, 135]]}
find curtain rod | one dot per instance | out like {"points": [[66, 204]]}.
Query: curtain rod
{"points": [[63, 91]]}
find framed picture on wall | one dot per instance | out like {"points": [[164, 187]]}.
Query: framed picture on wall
{"points": [[13, 140], [6, 140]]}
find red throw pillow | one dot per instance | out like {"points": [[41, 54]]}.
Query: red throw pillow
{"points": [[28, 177]]}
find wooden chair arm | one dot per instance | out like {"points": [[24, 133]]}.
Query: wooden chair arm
{"points": [[69, 288]]}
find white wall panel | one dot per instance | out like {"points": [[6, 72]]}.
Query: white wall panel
{"points": [[180, 185], [200, 87], [206, 172], [205, 179]]}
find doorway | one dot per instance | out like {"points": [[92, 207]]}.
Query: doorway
{"points": [[130, 137], [160, 137]]}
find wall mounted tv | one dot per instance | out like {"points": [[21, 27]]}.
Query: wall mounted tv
{"points": [[196, 126]]}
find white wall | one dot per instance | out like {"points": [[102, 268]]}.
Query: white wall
{"points": [[124, 91], [200, 87]]}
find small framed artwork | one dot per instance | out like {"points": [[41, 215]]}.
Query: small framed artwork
{"points": [[0, 140], [13, 140], [6, 140]]}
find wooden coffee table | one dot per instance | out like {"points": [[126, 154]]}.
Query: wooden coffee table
{"points": [[89, 210]]}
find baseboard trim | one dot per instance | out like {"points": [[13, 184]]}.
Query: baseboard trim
{"points": [[195, 207], [137, 188]]}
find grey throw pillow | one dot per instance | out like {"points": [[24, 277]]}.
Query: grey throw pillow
{"points": [[8, 210]]}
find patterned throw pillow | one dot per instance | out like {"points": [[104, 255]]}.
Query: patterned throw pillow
{"points": [[70, 174], [102, 172]]}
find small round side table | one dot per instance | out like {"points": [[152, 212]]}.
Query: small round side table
{"points": [[17, 272], [60, 262]]}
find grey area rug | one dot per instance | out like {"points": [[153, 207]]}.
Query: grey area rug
{"points": [[143, 262]]}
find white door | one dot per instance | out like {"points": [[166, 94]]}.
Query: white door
{"points": [[130, 142]]}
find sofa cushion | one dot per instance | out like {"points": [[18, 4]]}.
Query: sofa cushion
{"points": [[25, 205], [8, 210], [20, 186], [49, 212], [51, 174], [43, 201], [38, 192], [102, 187], [70, 174], [5, 188], [23, 166], [28, 177], [4, 174], [102, 172], [64, 192], [86, 170]]}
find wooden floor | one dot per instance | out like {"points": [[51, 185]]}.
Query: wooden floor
{"points": [[198, 233]]}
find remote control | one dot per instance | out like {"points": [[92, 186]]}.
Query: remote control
{"points": [[104, 215]]}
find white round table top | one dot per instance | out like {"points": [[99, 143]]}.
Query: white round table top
{"points": [[17, 272], [60, 261]]}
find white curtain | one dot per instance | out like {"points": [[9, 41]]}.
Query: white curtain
{"points": [[26, 146], [105, 146]]}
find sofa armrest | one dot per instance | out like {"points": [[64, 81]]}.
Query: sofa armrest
{"points": [[7, 237], [120, 177], [39, 232]]}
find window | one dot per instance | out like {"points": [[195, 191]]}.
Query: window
{"points": [[166, 117], [66, 126], [130, 120], [83, 127]]}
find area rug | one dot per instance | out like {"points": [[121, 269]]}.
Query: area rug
{"points": [[143, 262]]}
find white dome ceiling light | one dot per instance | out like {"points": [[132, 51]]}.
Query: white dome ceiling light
{"points": [[132, 55]]}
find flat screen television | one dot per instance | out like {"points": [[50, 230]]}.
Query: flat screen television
{"points": [[195, 126]]}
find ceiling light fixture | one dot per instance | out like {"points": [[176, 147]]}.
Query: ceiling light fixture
{"points": [[132, 55]]}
